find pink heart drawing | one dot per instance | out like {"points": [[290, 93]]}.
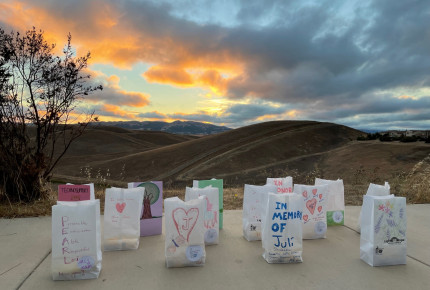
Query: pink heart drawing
{"points": [[305, 217], [305, 194], [320, 195], [314, 191], [120, 207], [320, 208], [310, 204], [185, 220]]}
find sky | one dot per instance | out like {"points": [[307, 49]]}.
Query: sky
{"points": [[363, 64]]}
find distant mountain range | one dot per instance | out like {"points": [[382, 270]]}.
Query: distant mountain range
{"points": [[176, 127]]}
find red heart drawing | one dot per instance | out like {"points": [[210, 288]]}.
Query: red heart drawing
{"points": [[320, 208], [314, 191], [320, 195], [305, 217], [310, 204], [120, 207], [185, 220], [305, 194]]}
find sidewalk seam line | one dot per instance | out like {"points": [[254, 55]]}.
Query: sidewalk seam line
{"points": [[413, 258], [37, 266]]}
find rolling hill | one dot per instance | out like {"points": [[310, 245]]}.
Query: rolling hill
{"points": [[156, 155], [302, 149]]}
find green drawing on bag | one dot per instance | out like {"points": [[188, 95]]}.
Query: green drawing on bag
{"points": [[335, 218]]}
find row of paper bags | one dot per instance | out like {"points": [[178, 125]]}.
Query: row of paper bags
{"points": [[323, 205], [76, 232], [281, 217]]}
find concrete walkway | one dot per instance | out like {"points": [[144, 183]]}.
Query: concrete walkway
{"points": [[331, 263]]}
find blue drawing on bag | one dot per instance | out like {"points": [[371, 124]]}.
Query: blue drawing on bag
{"points": [[280, 227]]}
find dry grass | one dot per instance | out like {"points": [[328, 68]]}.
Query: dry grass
{"points": [[415, 186], [41, 207]]}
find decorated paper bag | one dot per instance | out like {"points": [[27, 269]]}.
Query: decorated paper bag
{"points": [[211, 211], [218, 183], [335, 201], [76, 240], [122, 218], [185, 231], [383, 230], [152, 210], [314, 212], [374, 190], [284, 185], [251, 214], [282, 230]]}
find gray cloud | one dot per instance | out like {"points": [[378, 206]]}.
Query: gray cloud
{"points": [[327, 58], [151, 115]]}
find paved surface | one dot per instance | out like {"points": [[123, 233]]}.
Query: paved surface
{"points": [[331, 263]]}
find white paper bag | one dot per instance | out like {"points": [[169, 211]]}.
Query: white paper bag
{"points": [[251, 214], [211, 211], [122, 218], [374, 190], [378, 190], [282, 229], [185, 231], [335, 201], [76, 240], [383, 230], [314, 211], [283, 185]]}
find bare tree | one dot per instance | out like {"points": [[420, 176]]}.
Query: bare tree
{"points": [[39, 93]]}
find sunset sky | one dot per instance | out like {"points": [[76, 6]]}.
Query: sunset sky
{"points": [[364, 64]]}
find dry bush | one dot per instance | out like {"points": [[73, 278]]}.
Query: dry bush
{"points": [[40, 207], [416, 185]]}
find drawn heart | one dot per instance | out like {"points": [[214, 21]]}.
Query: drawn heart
{"points": [[314, 191], [305, 217], [120, 207], [320, 208], [310, 204], [185, 220], [320, 195], [305, 194]]}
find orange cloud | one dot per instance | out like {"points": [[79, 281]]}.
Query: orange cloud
{"points": [[117, 111], [404, 97], [114, 35], [193, 77], [113, 94], [159, 74]]}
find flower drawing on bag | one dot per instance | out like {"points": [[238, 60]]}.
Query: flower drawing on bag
{"points": [[378, 224], [390, 225], [337, 216]]}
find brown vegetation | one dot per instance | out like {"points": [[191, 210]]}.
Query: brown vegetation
{"points": [[304, 150]]}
